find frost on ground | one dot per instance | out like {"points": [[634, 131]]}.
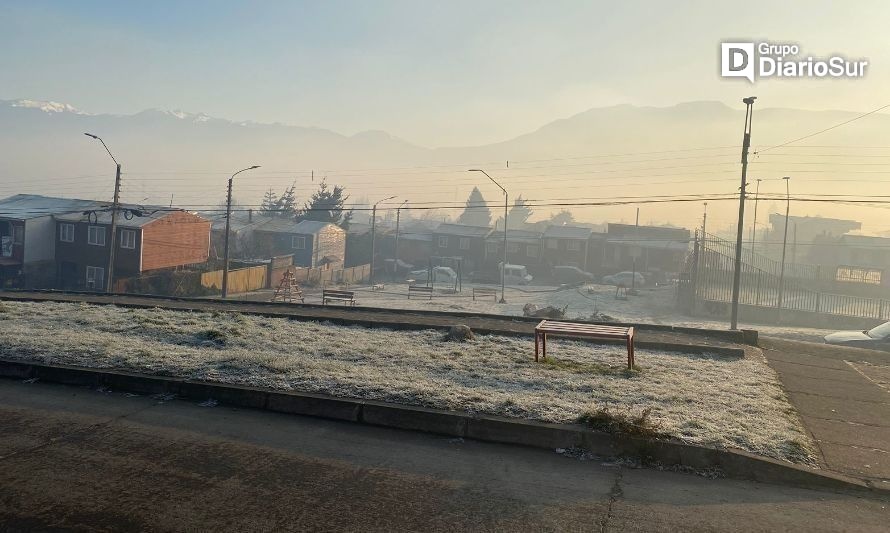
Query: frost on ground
{"points": [[704, 399], [657, 305]]}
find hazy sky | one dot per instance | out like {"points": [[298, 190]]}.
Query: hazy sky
{"points": [[434, 73]]}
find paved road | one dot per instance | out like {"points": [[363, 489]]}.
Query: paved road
{"points": [[74, 458], [843, 399]]}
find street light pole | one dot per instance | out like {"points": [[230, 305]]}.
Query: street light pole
{"points": [[754, 227], [374, 237], [737, 273], [115, 205], [225, 279], [504, 264], [784, 241], [395, 268]]}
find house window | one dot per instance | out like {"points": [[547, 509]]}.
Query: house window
{"points": [[531, 250], [443, 241], [491, 247], [298, 243], [96, 235], [512, 247], [66, 232], [573, 246], [128, 239], [552, 244], [18, 234], [95, 277], [463, 243]]}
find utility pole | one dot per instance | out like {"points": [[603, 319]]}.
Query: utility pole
{"points": [[754, 227], [396, 264], [374, 237], [737, 274], [504, 264], [115, 206], [633, 278], [225, 279], [704, 221], [784, 241]]}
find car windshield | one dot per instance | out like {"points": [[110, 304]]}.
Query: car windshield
{"points": [[879, 332]]}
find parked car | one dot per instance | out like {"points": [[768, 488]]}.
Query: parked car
{"points": [[440, 273], [571, 274], [628, 279], [516, 274], [876, 338]]}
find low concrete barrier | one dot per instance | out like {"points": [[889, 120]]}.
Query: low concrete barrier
{"points": [[732, 463]]}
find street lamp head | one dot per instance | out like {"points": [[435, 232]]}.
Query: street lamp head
{"points": [[787, 178], [253, 167], [91, 135], [749, 100]]}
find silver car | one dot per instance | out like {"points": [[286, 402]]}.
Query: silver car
{"points": [[876, 338]]}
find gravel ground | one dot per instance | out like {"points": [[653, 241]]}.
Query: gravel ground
{"points": [[705, 399]]}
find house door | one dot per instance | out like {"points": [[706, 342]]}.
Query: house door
{"points": [[68, 275]]}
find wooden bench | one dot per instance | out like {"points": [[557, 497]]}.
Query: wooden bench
{"points": [[485, 292], [427, 291], [591, 331], [335, 295]]}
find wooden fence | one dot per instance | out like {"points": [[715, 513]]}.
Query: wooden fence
{"points": [[325, 276], [240, 280]]}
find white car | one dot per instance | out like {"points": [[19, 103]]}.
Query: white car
{"points": [[517, 275], [628, 279], [876, 338], [440, 273]]}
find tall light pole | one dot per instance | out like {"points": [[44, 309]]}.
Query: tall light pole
{"points": [[109, 284], [784, 240], [395, 267], [754, 226], [374, 237], [704, 221], [225, 280], [504, 266], [737, 274]]}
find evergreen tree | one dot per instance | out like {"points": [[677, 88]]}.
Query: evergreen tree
{"points": [[270, 201], [326, 205], [563, 218], [519, 213], [476, 212], [286, 204]]}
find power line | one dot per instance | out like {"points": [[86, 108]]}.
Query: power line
{"points": [[873, 111]]}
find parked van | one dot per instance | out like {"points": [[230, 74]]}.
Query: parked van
{"points": [[516, 274]]}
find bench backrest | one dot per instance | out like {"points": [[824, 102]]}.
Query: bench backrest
{"points": [[420, 289], [481, 290], [341, 294]]}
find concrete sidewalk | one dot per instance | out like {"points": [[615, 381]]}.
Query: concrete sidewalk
{"points": [[843, 402], [75, 458]]}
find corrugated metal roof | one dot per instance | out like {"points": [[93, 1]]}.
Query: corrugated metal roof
{"points": [[516, 235], [567, 232], [27, 206], [462, 230], [287, 225]]}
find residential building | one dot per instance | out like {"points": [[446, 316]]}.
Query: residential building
{"points": [[312, 243], [146, 239], [523, 248], [461, 241], [566, 246], [28, 235], [645, 248]]}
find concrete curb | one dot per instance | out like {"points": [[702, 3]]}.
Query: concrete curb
{"points": [[398, 325], [733, 463]]}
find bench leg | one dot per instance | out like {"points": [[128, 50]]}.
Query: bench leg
{"points": [[630, 353], [536, 346], [544, 346]]}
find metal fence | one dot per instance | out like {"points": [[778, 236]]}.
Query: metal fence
{"points": [[762, 284]]}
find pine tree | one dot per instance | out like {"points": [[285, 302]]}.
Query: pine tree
{"points": [[476, 212], [519, 213], [326, 205], [286, 204], [270, 201]]}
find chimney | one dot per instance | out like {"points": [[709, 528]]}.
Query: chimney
{"points": [[250, 215]]}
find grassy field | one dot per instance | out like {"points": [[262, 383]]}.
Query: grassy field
{"points": [[706, 399]]}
